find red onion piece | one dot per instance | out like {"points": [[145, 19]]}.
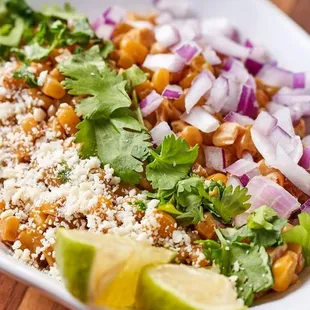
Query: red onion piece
{"points": [[159, 132], [299, 80], [211, 57], [256, 60], [226, 46], [295, 173], [218, 94], [215, 158], [247, 156], [284, 118], [274, 76], [265, 123], [140, 24], [245, 179], [288, 96], [305, 207], [234, 117], [241, 167], [172, 92], [266, 192], [248, 43], [237, 70], [105, 31], [188, 50], [305, 159], [253, 66], [247, 104], [234, 181], [201, 119], [234, 92], [264, 146], [114, 15], [201, 84], [150, 103], [171, 62], [167, 35]]}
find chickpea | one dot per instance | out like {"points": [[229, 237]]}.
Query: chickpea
{"points": [[276, 177], [283, 271], [206, 228], [227, 134], [276, 252], [144, 89], [300, 128], [134, 49], [178, 126], [160, 80], [125, 61], [262, 98], [244, 143], [9, 228], [192, 135], [53, 88], [218, 177], [167, 224], [67, 118]]}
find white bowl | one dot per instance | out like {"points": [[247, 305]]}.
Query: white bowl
{"points": [[258, 20]]}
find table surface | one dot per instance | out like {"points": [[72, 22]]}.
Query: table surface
{"points": [[17, 296]]}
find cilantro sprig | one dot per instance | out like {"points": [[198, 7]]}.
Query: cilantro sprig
{"points": [[109, 129], [250, 264]]}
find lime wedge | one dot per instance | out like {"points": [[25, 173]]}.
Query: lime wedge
{"points": [[104, 269], [168, 286]]}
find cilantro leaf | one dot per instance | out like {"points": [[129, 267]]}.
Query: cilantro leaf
{"points": [[24, 74], [106, 90], [81, 33], [232, 202], [107, 48], [192, 215], [68, 12], [250, 263], [117, 141], [263, 228], [172, 164], [135, 76], [301, 234]]}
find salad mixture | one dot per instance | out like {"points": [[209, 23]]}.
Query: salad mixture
{"points": [[156, 161]]}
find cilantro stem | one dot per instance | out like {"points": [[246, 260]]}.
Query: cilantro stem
{"points": [[137, 110]]}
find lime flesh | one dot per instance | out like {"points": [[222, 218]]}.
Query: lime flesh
{"points": [[104, 269], [167, 287]]}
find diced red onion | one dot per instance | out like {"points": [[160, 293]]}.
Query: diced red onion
{"points": [[175, 7], [241, 167], [237, 70], [188, 50], [140, 24], [301, 80], [266, 192], [189, 29], [247, 104], [265, 123], [287, 96], [226, 46], [284, 118], [219, 93], [256, 60], [201, 84], [219, 26], [159, 132], [171, 62], [248, 43], [105, 31], [215, 158], [201, 119], [245, 178], [234, 117], [305, 207], [151, 103], [253, 66], [305, 159], [114, 15], [247, 156], [172, 92], [211, 57], [274, 76], [234, 181], [295, 173], [263, 145], [166, 35], [234, 92]]}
